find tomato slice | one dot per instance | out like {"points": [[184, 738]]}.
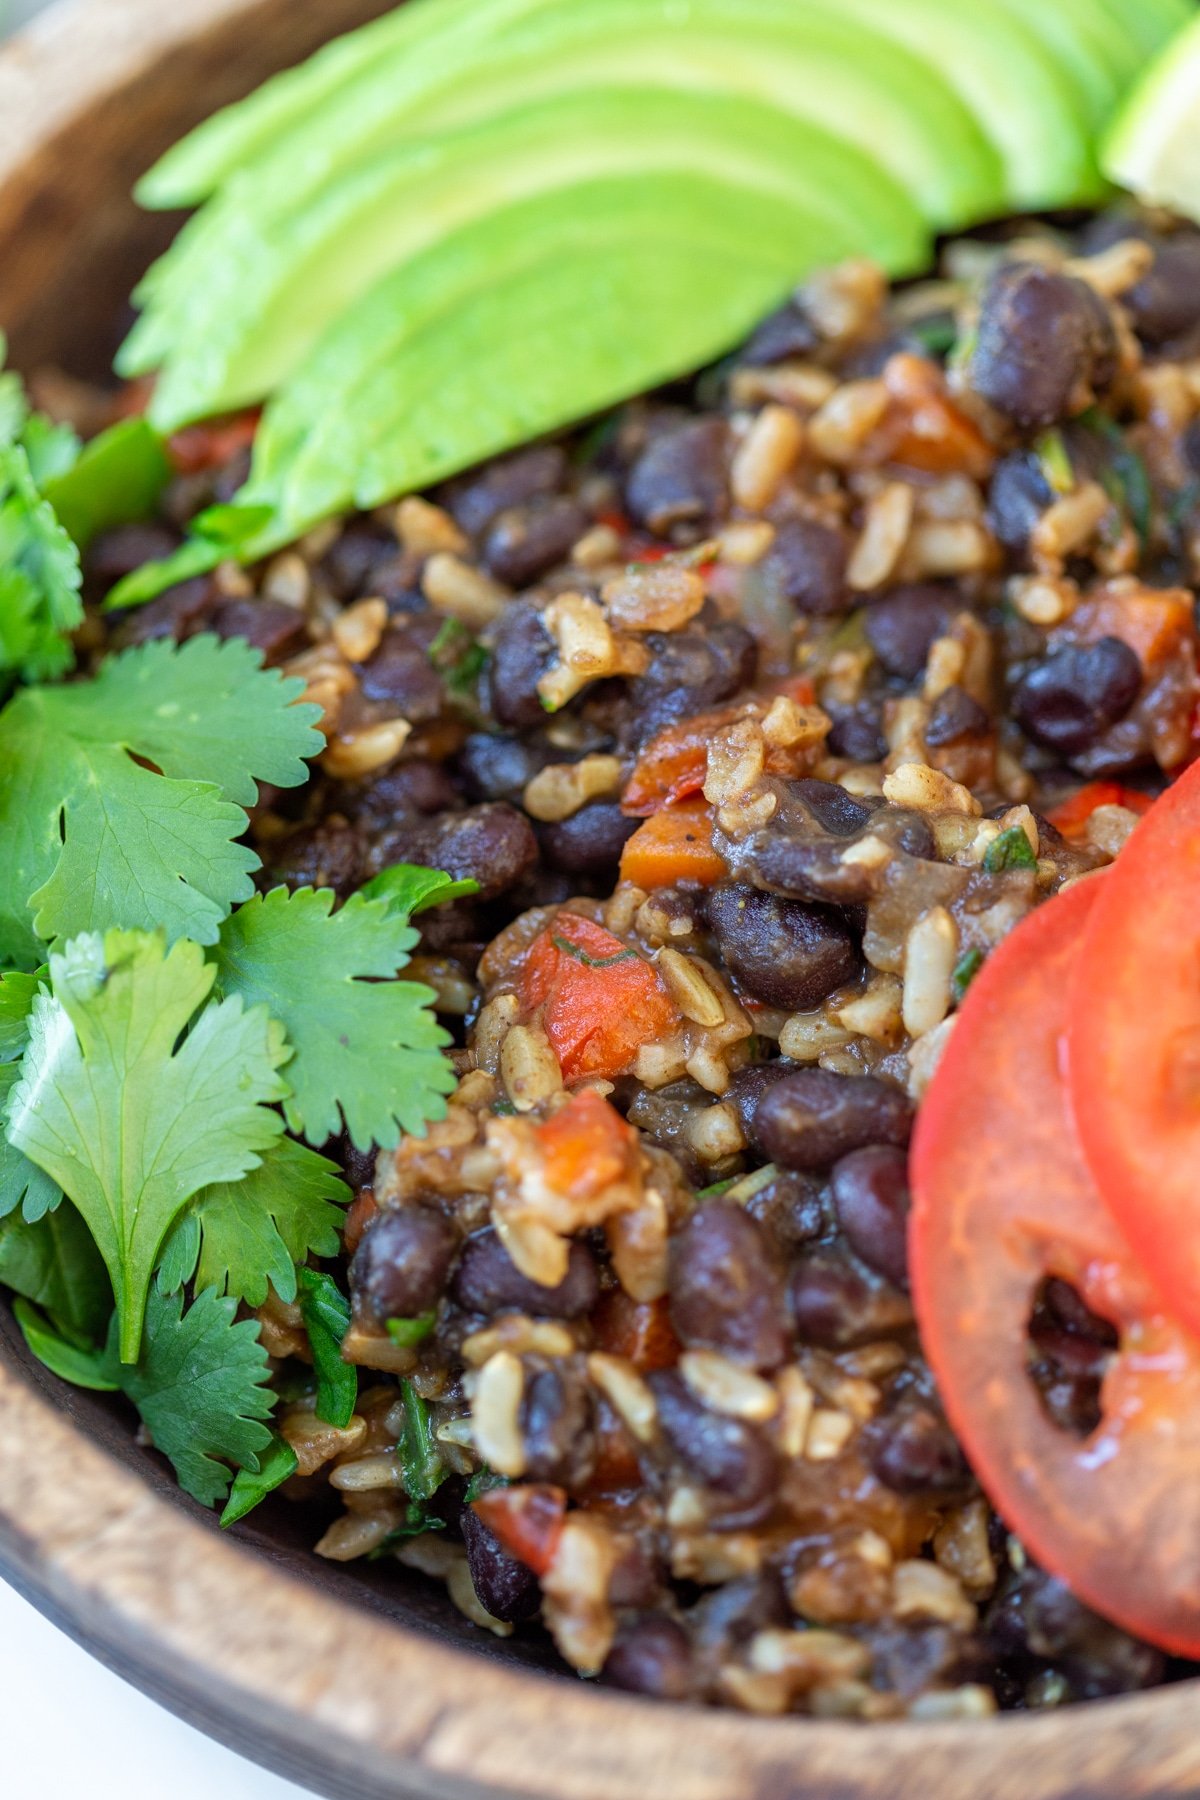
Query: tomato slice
{"points": [[1002, 1199], [1134, 1044]]}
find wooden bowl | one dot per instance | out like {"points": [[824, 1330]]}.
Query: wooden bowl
{"points": [[362, 1684]]}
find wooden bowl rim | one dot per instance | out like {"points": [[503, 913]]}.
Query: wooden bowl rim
{"points": [[324, 1691]]}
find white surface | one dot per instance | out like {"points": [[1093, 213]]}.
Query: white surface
{"points": [[70, 1730]]}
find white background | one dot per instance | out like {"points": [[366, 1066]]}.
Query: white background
{"points": [[69, 1730]]}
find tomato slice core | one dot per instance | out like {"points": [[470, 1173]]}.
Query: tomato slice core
{"points": [[1002, 1199], [1133, 1044]]}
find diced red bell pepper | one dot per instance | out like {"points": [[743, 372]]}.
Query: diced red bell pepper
{"points": [[527, 1520], [601, 1001], [1071, 816], [585, 1146]]}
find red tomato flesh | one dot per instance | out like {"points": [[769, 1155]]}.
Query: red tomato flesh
{"points": [[1133, 1044], [601, 1001], [1002, 1199]]}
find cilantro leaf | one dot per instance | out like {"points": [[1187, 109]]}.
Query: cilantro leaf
{"points": [[82, 1366], [200, 1385], [90, 838], [129, 1120], [239, 1235], [1011, 850], [367, 1047], [22, 1184], [277, 1462], [40, 576], [326, 1314], [17, 992], [116, 479], [55, 1264], [409, 889], [420, 1458]]}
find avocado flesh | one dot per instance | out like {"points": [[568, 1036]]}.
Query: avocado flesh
{"points": [[524, 321], [1084, 40], [265, 308], [807, 63], [1150, 24]]}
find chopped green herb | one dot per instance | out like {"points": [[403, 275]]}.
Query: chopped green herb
{"points": [[326, 1314], [410, 889], [937, 334], [152, 841], [412, 1331], [201, 1387], [129, 1115], [1011, 850], [416, 1521], [250, 1486], [1051, 451], [1125, 480], [717, 1187], [367, 1048], [420, 1458], [483, 1481], [965, 970], [458, 658], [593, 962]]}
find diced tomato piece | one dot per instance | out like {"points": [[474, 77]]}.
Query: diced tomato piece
{"points": [[601, 1001], [528, 1521], [200, 447], [1134, 1043], [1001, 1200], [673, 846], [359, 1215], [585, 1146], [1154, 622], [616, 1467], [639, 1330], [927, 430], [1071, 816], [673, 764]]}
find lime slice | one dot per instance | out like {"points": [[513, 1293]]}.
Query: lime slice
{"points": [[1153, 149]]}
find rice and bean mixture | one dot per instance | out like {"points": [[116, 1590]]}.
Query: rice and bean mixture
{"points": [[750, 710]]}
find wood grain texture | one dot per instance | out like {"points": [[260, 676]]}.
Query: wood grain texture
{"points": [[365, 1685]]}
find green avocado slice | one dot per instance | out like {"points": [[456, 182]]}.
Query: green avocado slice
{"points": [[537, 315], [264, 308], [1150, 24], [1086, 41], [807, 62]]}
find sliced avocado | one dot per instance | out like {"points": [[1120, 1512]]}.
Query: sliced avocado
{"points": [[807, 62], [1030, 108], [1088, 43], [534, 316], [1151, 24], [263, 310]]}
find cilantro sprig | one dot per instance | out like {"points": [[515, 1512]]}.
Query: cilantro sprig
{"points": [[122, 799]]}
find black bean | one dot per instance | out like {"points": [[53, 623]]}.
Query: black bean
{"points": [[358, 1166], [524, 541], [1165, 303], [806, 564], [665, 1115], [729, 1616], [680, 477], [418, 788], [590, 841], [113, 554], [871, 1199], [1036, 1616], [651, 1655], [800, 853], [812, 1117], [400, 675], [521, 654], [789, 1209], [832, 807], [331, 854], [902, 625], [782, 334], [491, 844], [475, 499], [1019, 495], [400, 1268], [487, 1280], [1045, 344], [857, 732], [557, 1421], [495, 767], [1070, 699], [178, 613], [689, 671], [350, 562], [503, 1586], [781, 951], [1190, 444], [397, 581], [724, 1291], [955, 716], [735, 1461], [914, 1451], [273, 627], [833, 1304], [747, 1087]]}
